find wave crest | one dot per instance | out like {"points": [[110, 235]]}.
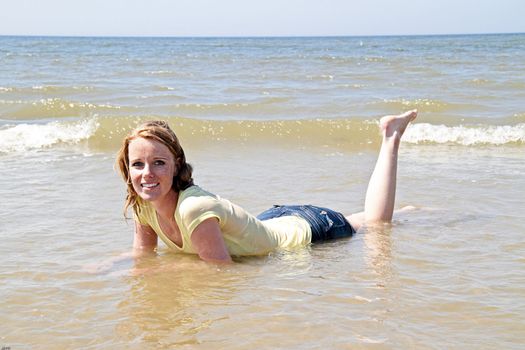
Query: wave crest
{"points": [[346, 134], [463, 135], [23, 137]]}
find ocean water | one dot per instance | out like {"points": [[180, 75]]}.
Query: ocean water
{"points": [[266, 121]]}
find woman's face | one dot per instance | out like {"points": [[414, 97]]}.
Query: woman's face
{"points": [[151, 168]]}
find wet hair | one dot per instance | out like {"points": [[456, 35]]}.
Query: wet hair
{"points": [[160, 131]]}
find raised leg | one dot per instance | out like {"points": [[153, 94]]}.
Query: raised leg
{"points": [[381, 191]]}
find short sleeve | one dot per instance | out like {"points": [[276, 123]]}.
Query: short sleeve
{"points": [[141, 217], [194, 210]]}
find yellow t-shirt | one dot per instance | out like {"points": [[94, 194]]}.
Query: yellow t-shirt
{"points": [[243, 233]]}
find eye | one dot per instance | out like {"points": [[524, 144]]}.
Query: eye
{"points": [[160, 162], [137, 164]]}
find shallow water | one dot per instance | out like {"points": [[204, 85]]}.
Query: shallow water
{"points": [[447, 275], [453, 267]]}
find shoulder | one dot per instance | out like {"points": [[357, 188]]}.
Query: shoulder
{"points": [[197, 205], [195, 200]]}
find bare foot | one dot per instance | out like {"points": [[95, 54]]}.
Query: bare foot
{"points": [[407, 208], [395, 125]]}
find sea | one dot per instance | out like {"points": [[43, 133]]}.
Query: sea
{"points": [[266, 121]]}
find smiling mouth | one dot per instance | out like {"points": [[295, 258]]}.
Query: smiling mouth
{"points": [[149, 185]]}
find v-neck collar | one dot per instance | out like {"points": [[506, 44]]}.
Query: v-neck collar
{"points": [[157, 223]]}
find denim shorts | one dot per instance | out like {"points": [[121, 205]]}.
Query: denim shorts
{"points": [[326, 224]]}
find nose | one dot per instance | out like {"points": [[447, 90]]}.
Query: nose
{"points": [[148, 171]]}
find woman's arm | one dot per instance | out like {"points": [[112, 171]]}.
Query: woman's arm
{"points": [[208, 242], [145, 239]]}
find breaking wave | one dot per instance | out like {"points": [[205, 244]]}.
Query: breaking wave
{"points": [[23, 136], [344, 134]]}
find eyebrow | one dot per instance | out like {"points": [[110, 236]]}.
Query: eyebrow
{"points": [[154, 158]]}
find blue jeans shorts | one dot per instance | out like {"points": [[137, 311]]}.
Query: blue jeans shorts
{"points": [[326, 224]]}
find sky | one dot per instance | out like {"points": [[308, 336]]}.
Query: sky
{"points": [[259, 18]]}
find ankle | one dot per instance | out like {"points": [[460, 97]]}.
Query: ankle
{"points": [[392, 140]]}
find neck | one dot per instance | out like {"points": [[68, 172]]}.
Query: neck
{"points": [[165, 207]]}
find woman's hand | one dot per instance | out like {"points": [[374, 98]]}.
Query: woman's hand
{"points": [[106, 265], [144, 244], [208, 242]]}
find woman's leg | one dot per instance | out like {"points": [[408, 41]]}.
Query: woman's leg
{"points": [[381, 191]]}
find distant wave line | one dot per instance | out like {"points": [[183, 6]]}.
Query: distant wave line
{"points": [[107, 132]]}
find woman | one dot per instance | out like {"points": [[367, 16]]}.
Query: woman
{"points": [[168, 205]]}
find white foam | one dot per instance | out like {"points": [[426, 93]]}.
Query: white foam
{"points": [[463, 135], [24, 137]]}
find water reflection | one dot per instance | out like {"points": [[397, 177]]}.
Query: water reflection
{"points": [[174, 300], [378, 251], [178, 300]]}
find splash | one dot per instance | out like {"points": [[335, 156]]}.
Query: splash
{"points": [[467, 136], [23, 137]]}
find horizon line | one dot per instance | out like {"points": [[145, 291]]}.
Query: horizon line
{"points": [[251, 36]]}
